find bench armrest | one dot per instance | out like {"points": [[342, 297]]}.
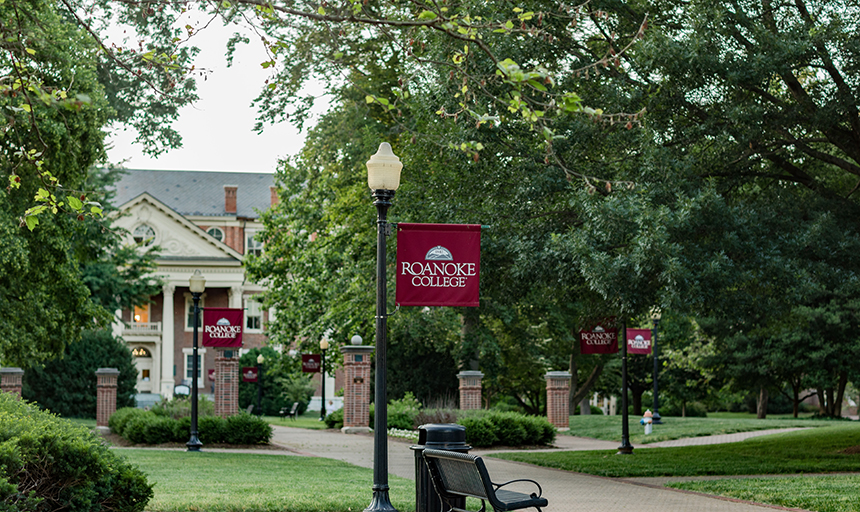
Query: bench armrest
{"points": [[533, 495]]}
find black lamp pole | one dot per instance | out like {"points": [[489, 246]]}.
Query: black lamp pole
{"points": [[260, 385], [656, 418], [322, 392], [197, 286], [626, 448]]}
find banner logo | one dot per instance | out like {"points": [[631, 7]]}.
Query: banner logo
{"points": [[639, 341]]}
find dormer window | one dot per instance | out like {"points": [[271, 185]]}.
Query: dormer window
{"points": [[216, 233], [144, 235]]}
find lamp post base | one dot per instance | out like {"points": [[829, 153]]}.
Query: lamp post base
{"points": [[625, 449], [194, 444], [380, 502], [656, 418]]}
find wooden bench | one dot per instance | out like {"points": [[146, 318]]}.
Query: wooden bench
{"points": [[457, 475], [290, 413]]}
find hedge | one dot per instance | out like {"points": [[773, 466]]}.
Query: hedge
{"points": [[145, 427], [47, 463], [488, 428]]}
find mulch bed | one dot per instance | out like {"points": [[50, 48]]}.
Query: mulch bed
{"points": [[119, 441]]}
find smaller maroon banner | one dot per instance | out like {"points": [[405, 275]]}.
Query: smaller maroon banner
{"points": [[211, 374], [222, 327], [438, 264], [249, 374], [638, 341], [600, 339], [311, 363]]}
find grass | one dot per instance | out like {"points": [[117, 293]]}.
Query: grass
{"points": [[309, 420], [609, 427], [234, 482], [832, 493], [807, 451]]}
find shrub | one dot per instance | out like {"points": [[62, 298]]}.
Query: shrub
{"points": [[146, 427], [334, 419], [487, 428], [403, 413], [180, 407], [247, 429], [211, 429], [120, 418], [47, 463], [158, 430], [693, 410], [480, 431], [428, 416]]}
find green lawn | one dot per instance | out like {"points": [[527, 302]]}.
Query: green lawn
{"points": [[807, 451], [609, 427], [309, 420], [228, 482], [832, 493]]}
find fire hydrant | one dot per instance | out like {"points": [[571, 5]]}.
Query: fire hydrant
{"points": [[646, 420]]}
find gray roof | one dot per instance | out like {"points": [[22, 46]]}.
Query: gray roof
{"points": [[198, 192]]}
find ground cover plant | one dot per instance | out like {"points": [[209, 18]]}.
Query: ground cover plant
{"points": [[230, 482], [831, 493], [147, 427], [609, 427], [831, 448]]}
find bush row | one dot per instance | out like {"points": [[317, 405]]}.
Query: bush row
{"points": [[145, 427], [47, 463]]}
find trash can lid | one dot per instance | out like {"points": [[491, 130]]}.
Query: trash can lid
{"points": [[442, 436]]}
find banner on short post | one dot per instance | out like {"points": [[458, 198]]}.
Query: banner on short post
{"points": [[222, 327], [311, 363], [602, 338], [638, 341], [249, 374], [438, 264]]}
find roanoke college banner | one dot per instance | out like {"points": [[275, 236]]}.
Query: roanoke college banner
{"points": [[222, 327], [438, 264], [600, 339], [311, 363], [638, 341]]}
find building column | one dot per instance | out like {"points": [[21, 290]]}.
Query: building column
{"points": [[235, 297], [105, 395], [11, 380], [557, 396], [470, 389], [226, 383], [356, 390], [168, 380]]}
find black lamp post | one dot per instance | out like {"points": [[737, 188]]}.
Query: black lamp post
{"points": [[655, 317], [626, 448], [383, 178], [260, 361], [323, 348], [197, 285]]}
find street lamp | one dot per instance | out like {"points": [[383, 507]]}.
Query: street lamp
{"points": [[383, 178], [197, 285], [655, 317], [626, 448], [260, 361], [323, 348]]}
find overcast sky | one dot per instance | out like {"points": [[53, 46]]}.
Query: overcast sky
{"points": [[217, 130]]}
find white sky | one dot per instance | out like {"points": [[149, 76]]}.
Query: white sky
{"points": [[217, 130]]}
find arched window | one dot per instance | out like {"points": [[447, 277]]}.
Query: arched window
{"points": [[144, 235], [216, 233], [140, 352]]}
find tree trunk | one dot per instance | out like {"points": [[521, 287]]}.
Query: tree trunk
{"points": [[840, 394], [821, 402], [577, 397], [684, 409], [470, 323], [584, 407], [761, 409], [574, 369], [828, 407], [637, 403], [795, 397]]}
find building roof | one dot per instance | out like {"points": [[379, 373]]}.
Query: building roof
{"points": [[198, 192]]}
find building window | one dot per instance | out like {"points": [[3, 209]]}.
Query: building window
{"points": [[141, 314], [144, 235], [189, 366], [141, 352], [252, 245], [189, 313], [253, 315], [216, 233]]}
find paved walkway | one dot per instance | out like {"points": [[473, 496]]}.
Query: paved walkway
{"points": [[565, 491]]}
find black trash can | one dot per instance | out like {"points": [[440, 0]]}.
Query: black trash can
{"points": [[437, 436]]}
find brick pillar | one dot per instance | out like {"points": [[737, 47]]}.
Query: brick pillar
{"points": [[226, 383], [10, 380], [105, 395], [557, 396], [356, 389], [470, 389]]}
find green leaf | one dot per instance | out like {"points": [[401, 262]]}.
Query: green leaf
{"points": [[427, 15], [31, 222], [75, 203], [321, 11]]}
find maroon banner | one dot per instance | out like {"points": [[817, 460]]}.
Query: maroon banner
{"points": [[311, 363], [222, 327], [600, 339], [211, 374], [249, 374], [438, 264], [638, 341]]}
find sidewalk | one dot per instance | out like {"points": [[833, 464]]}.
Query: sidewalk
{"points": [[565, 491]]}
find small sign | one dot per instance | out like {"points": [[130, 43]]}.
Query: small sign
{"points": [[311, 363], [638, 341], [222, 327], [599, 339], [211, 374], [249, 374]]}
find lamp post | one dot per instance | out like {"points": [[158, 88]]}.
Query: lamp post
{"points": [[626, 448], [383, 178], [655, 317], [260, 361], [197, 285], [323, 348]]}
